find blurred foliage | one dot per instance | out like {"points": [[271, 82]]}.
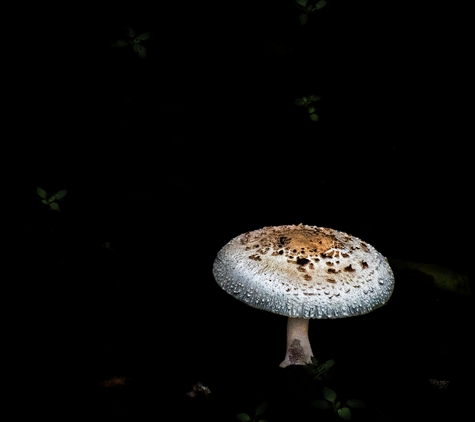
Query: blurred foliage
{"points": [[441, 277], [133, 40], [244, 417], [307, 103], [341, 409], [308, 8], [52, 200], [317, 369]]}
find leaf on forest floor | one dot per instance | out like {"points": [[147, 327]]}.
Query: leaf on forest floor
{"points": [[115, 381]]}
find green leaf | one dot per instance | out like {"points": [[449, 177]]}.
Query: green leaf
{"points": [[144, 36], [244, 417], [311, 368], [299, 102], [130, 32], [329, 394], [321, 404], [302, 2], [315, 97], [140, 50], [120, 43], [303, 17], [41, 192], [314, 117], [329, 363], [310, 111], [355, 403], [314, 360], [320, 4], [344, 413], [54, 206], [61, 194], [44, 201], [261, 409]]}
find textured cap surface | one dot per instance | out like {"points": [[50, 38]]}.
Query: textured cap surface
{"points": [[304, 271]]}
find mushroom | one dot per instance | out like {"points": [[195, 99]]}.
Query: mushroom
{"points": [[304, 272]]}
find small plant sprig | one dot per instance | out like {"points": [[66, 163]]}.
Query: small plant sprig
{"points": [[107, 246], [134, 41], [331, 402], [51, 201], [244, 417], [308, 8], [317, 369], [307, 102]]}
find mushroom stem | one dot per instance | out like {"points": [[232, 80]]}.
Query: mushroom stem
{"points": [[299, 350]]}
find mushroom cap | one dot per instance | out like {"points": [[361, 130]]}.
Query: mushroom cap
{"points": [[304, 272]]}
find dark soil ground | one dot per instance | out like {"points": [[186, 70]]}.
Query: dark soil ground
{"points": [[126, 334], [165, 159]]}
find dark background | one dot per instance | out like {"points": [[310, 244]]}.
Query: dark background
{"points": [[209, 114], [171, 156]]}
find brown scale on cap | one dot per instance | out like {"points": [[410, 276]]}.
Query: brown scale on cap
{"points": [[302, 244]]}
